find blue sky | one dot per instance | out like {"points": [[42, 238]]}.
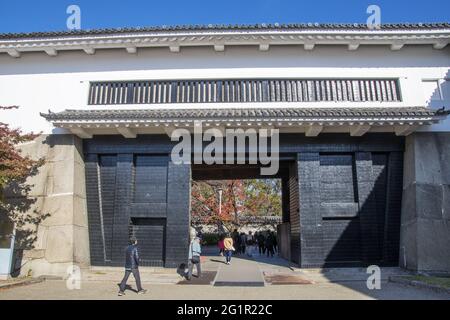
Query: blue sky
{"points": [[46, 15]]}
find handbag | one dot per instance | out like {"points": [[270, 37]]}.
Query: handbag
{"points": [[194, 259]]}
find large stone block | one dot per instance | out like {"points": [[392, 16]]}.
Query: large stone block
{"points": [[57, 190], [409, 212], [33, 254], [54, 178], [60, 242], [80, 217], [429, 201], [41, 267], [58, 208], [408, 246], [409, 167], [50, 147], [432, 157], [81, 246], [60, 153], [78, 151], [425, 229], [79, 181], [433, 245], [41, 237], [446, 202]]}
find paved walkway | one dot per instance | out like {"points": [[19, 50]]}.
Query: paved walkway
{"points": [[242, 272], [108, 290], [341, 283]]}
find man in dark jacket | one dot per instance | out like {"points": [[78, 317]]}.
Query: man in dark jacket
{"points": [[269, 244], [131, 266]]}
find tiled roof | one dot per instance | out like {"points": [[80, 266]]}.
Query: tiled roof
{"points": [[242, 219], [217, 114], [231, 27]]}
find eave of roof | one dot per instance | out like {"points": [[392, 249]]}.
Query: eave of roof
{"points": [[276, 114], [312, 121], [219, 36]]}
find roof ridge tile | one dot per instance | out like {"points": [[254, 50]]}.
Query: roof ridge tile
{"points": [[203, 27]]}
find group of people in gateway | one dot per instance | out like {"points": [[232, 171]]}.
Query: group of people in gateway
{"points": [[249, 244], [235, 243], [262, 242]]}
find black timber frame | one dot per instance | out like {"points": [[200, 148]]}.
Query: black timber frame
{"points": [[322, 230], [243, 90]]}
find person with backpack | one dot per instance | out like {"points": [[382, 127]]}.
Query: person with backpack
{"points": [[229, 248], [195, 252]]}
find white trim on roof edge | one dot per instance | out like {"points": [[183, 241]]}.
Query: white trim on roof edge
{"points": [[438, 38], [311, 127]]}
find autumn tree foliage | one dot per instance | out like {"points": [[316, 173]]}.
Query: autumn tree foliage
{"points": [[263, 197], [13, 166], [205, 200], [17, 209], [240, 198]]}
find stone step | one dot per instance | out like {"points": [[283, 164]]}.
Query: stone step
{"points": [[157, 279], [141, 269], [320, 275], [148, 275]]}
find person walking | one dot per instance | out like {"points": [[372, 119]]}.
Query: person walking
{"points": [[229, 248], [250, 243], [261, 239], [195, 252], [243, 242], [221, 246], [275, 242], [269, 245], [236, 241], [131, 267]]}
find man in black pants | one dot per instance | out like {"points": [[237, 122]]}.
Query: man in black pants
{"points": [[269, 245], [261, 239], [131, 266]]}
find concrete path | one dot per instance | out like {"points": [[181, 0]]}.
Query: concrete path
{"points": [[243, 272], [350, 283], [108, 290], [101, 284]]}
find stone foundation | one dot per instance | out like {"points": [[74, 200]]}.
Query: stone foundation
{"points": [[425, 226], [58, 192]]}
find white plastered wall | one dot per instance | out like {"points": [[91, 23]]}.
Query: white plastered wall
{"points": [[37, 82]]}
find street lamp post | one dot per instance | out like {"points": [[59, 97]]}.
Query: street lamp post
{"points": [[220, 207]]}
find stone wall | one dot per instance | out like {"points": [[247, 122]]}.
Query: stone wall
{"points": [[425, 226], [58, 194]]}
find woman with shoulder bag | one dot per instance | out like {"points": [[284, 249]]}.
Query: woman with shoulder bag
{"points": [[229, 248], [195, 252]]}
